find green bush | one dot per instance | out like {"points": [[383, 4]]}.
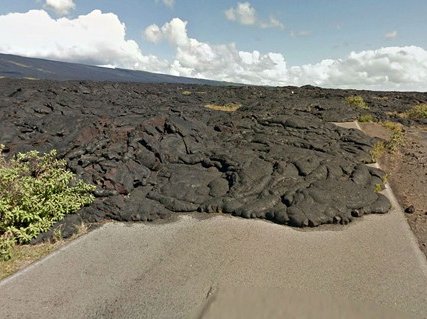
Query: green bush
{"points": [[418, 112], [397, 137], [7, 242], [366, 118], [378, 187], [378, 150], [357, 101], [35, 192]]}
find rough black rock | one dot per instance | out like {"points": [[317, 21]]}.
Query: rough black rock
{"points": [[410, 209], [152, 150]]}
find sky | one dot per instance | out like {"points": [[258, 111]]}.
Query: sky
{"points": [[362, 44]]}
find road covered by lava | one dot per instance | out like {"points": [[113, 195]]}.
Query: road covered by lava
{"points": [[154, 150]]}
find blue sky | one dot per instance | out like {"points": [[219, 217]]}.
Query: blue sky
{"points": [[301, 32]]}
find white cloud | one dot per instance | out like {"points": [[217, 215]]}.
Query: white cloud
{"points": [[245, 14], [272, 23], [299, 34], [153, 34], [61, 7], [175, 32], [96, 38], [390, 68], [221, 62], [100, 38], [391, 35], [167, 3]]}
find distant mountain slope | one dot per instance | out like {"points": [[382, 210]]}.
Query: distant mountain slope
{"points": [[14, 66]]}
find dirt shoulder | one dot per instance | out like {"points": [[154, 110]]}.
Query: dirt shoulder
{"points": [[407, 175]]}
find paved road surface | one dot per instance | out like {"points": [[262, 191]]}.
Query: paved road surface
{"points": [[173, 270]]}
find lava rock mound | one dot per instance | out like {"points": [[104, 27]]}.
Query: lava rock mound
{"points": [[155, 150]]}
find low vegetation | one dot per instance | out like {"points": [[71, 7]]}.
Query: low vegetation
{"points": [[357, 101], [396, 140], [366, 118], [24, 255], [397, 136], [417, 112], [378, 187], [36, 191], [378, 150], [228, 107], [186, 92]]}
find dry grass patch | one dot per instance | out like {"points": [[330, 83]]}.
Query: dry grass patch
{"points": [[25, 255], [381, 98], [228, 107], [187, 93]]}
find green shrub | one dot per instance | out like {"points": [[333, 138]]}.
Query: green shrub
{"points": [[378, 187], [7, 242], [396, 140], [395, 127], [397, 137], [418, 112], [378, 150], [35, 192], [366, 118], [357, 101]]}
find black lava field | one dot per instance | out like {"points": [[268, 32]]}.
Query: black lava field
{"points": [[154, 150]]}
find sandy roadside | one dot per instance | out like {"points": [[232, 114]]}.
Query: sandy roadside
{"points": [[407, 175]]}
